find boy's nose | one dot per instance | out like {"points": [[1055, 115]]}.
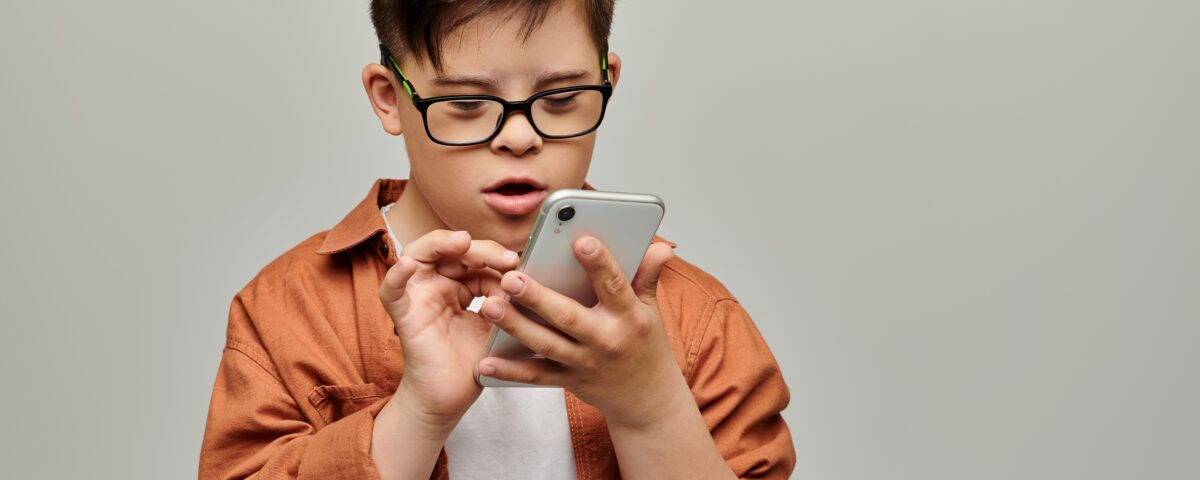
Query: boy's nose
{"points": [[517, 136]]}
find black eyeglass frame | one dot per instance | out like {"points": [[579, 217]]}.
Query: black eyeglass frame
{"points": [[525, 106]]}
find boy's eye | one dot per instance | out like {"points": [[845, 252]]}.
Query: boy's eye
{"points": [[466, 105], [560, 100]]}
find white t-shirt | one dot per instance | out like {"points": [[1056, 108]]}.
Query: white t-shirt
{"points": [[509, 433]]}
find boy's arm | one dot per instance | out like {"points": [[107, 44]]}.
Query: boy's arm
{"points": [[404, 445], [256, 429], [741, 393], [739, 390]]}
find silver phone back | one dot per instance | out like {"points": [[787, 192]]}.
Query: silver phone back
{"points": [[625, 222]]}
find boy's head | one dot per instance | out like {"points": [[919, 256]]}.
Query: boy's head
{"points": [[471, 166]]}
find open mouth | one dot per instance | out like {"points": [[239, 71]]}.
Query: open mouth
{"points": [[510, 189], [515, 196]]}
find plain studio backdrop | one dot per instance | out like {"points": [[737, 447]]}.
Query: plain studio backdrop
{"points": [[968, 230]]}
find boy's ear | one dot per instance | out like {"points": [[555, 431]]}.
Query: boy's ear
{"points": [[614, 68], [382, 91]]}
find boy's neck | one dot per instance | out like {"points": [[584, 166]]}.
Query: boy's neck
{"points": [[411, 217]]}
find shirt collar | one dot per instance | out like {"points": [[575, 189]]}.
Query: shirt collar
{"points": [[365, 221]]}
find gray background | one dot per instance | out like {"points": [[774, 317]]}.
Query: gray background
{"points": [[967, 229]]}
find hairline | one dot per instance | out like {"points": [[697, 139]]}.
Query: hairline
{"points": [[460, 20]]}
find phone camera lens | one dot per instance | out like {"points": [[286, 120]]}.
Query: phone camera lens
{"points": [[566, 213]]}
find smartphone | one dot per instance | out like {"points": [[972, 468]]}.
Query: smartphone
{"points": [[624, 222]]}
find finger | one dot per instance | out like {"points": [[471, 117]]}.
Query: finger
{"points": [[537, 337], [438, 244], [450, 267], [559, 311], [645, 281], [483, 282], [534, 371], [464, 295], [396, 280], [480, 254], [490, 254], [611, 286]]}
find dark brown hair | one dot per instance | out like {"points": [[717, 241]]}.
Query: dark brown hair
{"points": [[417, 27]]}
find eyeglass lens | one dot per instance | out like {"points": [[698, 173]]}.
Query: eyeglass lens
{"points": [[561, 114]]}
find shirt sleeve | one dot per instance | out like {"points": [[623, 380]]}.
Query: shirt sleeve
{"points": [[741, 394], [256, 429]]}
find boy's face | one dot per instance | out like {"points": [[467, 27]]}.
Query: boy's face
{"points": [[458, 184]]}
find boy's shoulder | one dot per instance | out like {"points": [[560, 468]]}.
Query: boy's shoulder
{"points": [[680, 274], [305, 255], [300, 264], [327, 257]]}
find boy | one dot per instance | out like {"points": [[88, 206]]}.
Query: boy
{"points": [[354, 354]]}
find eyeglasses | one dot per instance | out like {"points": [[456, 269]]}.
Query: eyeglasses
{"points": [[459, 120]]}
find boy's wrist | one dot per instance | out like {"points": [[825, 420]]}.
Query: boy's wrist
{"points": [[662, 408], [406, 411], [403, 444]]}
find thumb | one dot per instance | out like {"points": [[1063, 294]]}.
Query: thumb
{"points": [[396, 280], [645, 282]]}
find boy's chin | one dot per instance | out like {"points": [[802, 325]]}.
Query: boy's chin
{"points": [[513, 231], [512, 242], [509, 235]]}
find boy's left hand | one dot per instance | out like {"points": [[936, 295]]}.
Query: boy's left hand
{"points": [[614, 356]]}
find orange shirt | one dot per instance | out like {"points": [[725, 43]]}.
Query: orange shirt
{"points": [[310, 358]]}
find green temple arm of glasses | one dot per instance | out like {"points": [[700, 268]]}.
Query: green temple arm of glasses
{"points": [[403, 78]]}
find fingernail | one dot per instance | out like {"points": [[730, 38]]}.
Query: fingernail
{"points": [[493, 310], [487, 370], [459, 235], [588, 246], [513, 284], [511, 256]]}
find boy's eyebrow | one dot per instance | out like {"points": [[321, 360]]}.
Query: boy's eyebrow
{"points": [[489, 82]]}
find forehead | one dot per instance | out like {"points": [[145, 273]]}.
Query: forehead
{"points": [[495, 44]]}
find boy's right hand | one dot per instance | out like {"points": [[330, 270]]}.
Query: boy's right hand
{"points": [[426, 293]]}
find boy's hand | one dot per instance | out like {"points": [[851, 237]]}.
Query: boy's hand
{"points": [[614, 356], [426, 294]]}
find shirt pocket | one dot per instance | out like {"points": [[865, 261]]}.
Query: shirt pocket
{"points": [[333, 402]]}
